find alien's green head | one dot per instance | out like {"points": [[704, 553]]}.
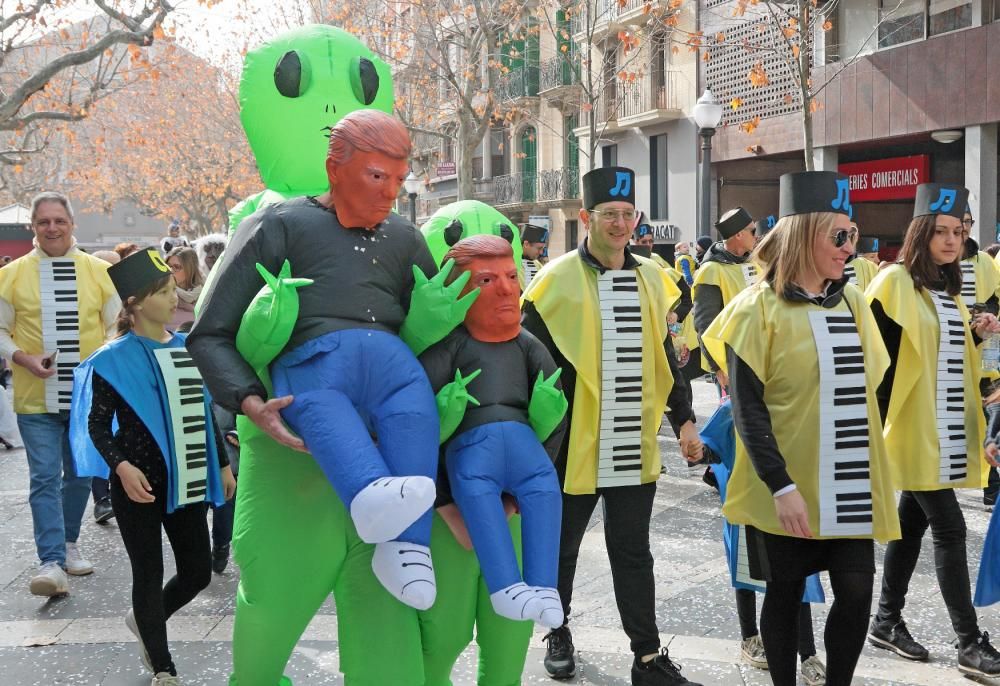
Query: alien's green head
{"points": [[294, 88], [465, 218]]}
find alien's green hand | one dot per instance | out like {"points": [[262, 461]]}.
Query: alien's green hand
{"points": [[268, 323], [452, 400], [435, 309], [548, 405]]}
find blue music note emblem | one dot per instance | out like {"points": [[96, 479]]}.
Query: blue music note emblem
{"points": [[623, 185], [945, 201], [843, 200], [770, 222]]}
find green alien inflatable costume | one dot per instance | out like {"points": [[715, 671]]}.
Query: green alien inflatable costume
{"points": [[294, 89], [293, 538]]}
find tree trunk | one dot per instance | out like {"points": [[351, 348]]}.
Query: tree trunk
{"points": [[805, 78], [466, 151]]}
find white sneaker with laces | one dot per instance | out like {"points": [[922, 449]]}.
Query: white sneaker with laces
{"points": [[813, 671], [134, 628], [50, 581], [76, 564], [166, 679]]}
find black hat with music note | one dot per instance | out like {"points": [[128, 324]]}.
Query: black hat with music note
{"points": [[765, 225], [137, 271], [733, 221], [532, 233], [608, 184], [814, 191], [940, 198], [866, 244]]}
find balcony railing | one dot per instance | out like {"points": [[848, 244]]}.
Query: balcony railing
{"points": [[644, 95], [559, 71], [518, 83], [550, 185]]}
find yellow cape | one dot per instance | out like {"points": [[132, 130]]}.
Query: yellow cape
{"points": [[775, 339], [911, 425], [565, 296], [681, 259], [19, 286], [865, 270]]}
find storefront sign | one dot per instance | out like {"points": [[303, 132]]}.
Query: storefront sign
{"points": [[895, 178], [446, 169], [665, 232]]}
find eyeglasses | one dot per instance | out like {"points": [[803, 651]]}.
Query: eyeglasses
{"points": [[968, 223], [44, 223], [843, 236], [609, 216]]}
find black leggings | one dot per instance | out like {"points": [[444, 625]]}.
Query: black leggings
{"points": [[152, 602], [746, 609], [844, 636]]}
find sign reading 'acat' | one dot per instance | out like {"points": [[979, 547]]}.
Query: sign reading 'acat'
{"points": [[895, 178]]}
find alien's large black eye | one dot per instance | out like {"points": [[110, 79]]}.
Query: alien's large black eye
{"points": [[453, 232], [288, 75], [507, 233], [364, 80]]}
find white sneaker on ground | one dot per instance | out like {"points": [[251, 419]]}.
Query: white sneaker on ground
{"points": [[166, 679], [76, 564], [752, 652], [143, 653], [813, 671], [50, 581]]}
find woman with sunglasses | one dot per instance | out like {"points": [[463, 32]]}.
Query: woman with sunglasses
{"points": [[810, 481], [931, 406]]}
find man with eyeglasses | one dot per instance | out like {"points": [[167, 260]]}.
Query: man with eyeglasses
{"points": [[57, 305], [602, 313], [723, 273]]}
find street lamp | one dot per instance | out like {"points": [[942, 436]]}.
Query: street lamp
{"points": [[412, 185], [707, 115]]}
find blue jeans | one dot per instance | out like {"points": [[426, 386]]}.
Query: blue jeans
{"points": [[349, 385], [58, 496]]}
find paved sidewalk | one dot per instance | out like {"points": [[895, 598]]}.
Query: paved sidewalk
{"points": [[81, 639]]}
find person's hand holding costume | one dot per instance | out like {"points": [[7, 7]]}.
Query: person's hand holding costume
{"points": [[267, 416], [435, 309], [34, 364], [547, 406], [452, 400]]}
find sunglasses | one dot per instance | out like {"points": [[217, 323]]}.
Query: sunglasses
{"points": [[844, 235]]}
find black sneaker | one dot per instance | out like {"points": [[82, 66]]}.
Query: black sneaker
{"points": [[220, 558], [989, 501], [979, 658], [103, 510], [660, 671], [559, 662], [895, 637]]}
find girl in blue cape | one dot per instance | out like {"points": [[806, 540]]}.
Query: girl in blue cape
{"points": [[140, 411]]}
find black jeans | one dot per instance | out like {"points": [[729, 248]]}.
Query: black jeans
{"points": [[746, 610], [627, 510], [99, 488], [152, 602], [222, 523], [939, 510]]}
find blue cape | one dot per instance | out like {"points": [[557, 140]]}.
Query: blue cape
{"points": [[129, 365], [988, 582], [719, 434]]}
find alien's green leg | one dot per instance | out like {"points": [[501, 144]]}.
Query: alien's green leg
{"points": [[446, 628], [379, 637], [289, 541], [503, 643]]}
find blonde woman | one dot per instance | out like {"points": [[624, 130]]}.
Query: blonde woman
{"points": [[810, 481], [183, 262]]}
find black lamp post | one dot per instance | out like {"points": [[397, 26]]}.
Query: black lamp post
{"points": [[707, 115], [412, 185]]}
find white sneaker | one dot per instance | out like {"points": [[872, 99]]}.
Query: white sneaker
{"points": [[166, 679], [143, 653], [50, 581], [76, 564]]}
